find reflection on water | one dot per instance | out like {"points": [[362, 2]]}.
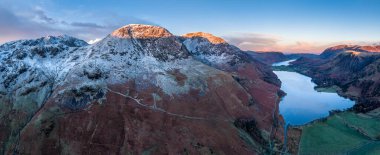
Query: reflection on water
{"points": [[283, 63], [302, 103]]}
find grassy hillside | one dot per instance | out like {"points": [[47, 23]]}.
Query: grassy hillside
{"points": [[343, 133]]}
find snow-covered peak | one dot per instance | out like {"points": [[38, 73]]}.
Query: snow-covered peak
{"points": [[139, 40], [211, 38], [37, 66], [140, 31], [213, 50], [62, 40], [134, 52]]}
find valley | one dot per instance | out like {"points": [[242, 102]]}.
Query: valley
{"points": [[190, 77], [342, 129], [194, 87]]}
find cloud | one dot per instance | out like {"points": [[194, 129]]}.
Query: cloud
{"points": [[252, 41], [36, 22], [263, 42], [88, 25], [42, 16], [17, 27]]}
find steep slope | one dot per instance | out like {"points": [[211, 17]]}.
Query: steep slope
{"points": [[301, 55], [252, 75], [272, 57], [29, 71], [268, 57], [139, 90]]}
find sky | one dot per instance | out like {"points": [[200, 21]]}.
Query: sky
{"points": [[258, 25]]}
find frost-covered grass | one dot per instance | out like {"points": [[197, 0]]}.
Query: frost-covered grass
{"points": [[206, 51], [144, 68], [62, 60]]}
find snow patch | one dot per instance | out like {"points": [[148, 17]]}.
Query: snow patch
{"points": [[94, 41]]}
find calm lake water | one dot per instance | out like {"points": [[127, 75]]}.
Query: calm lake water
{"points": [[303, 104], [284, 63]]}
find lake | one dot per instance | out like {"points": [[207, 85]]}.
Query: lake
{"points": [[303, 103], [283, 63]]}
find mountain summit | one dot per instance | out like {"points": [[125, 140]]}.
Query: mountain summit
{"points": [[211, 38], [138, 90], [140, 31]]}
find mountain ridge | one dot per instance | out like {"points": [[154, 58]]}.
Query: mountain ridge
{"points": [[138, 88], [333, 51], [211, 38]]}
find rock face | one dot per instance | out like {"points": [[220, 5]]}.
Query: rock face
{"points": [[355, 69], [209, 37], [139, 90]]}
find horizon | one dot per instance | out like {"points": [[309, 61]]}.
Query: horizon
{"points": [[295, 26], [190, 77]]}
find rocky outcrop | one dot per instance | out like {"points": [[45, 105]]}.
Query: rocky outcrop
{"points": [[139, 90], [30, 70], [209, 37]]}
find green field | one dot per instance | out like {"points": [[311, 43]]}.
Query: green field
{"points": [[332, 89], [342, 133]]}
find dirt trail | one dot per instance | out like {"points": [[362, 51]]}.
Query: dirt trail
{"points": [[155, 108]]}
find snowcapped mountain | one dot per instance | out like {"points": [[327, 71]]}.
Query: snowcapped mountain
{"points": [[139, 89], [32, 65], [213, 50]]}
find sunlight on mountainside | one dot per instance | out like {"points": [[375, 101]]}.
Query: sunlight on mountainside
{"points": [[168, 77]]}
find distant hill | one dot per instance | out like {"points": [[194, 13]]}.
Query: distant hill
{"points": [[271, 57], [333, 51]]}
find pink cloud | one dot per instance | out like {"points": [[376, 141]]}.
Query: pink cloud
{"points": [[262, 42]]}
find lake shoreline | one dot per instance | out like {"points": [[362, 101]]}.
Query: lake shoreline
{"points": [[293, 132], [305, 101], [319, 135]]}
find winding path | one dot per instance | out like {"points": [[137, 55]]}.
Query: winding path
{"points": [[155, 108]]}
